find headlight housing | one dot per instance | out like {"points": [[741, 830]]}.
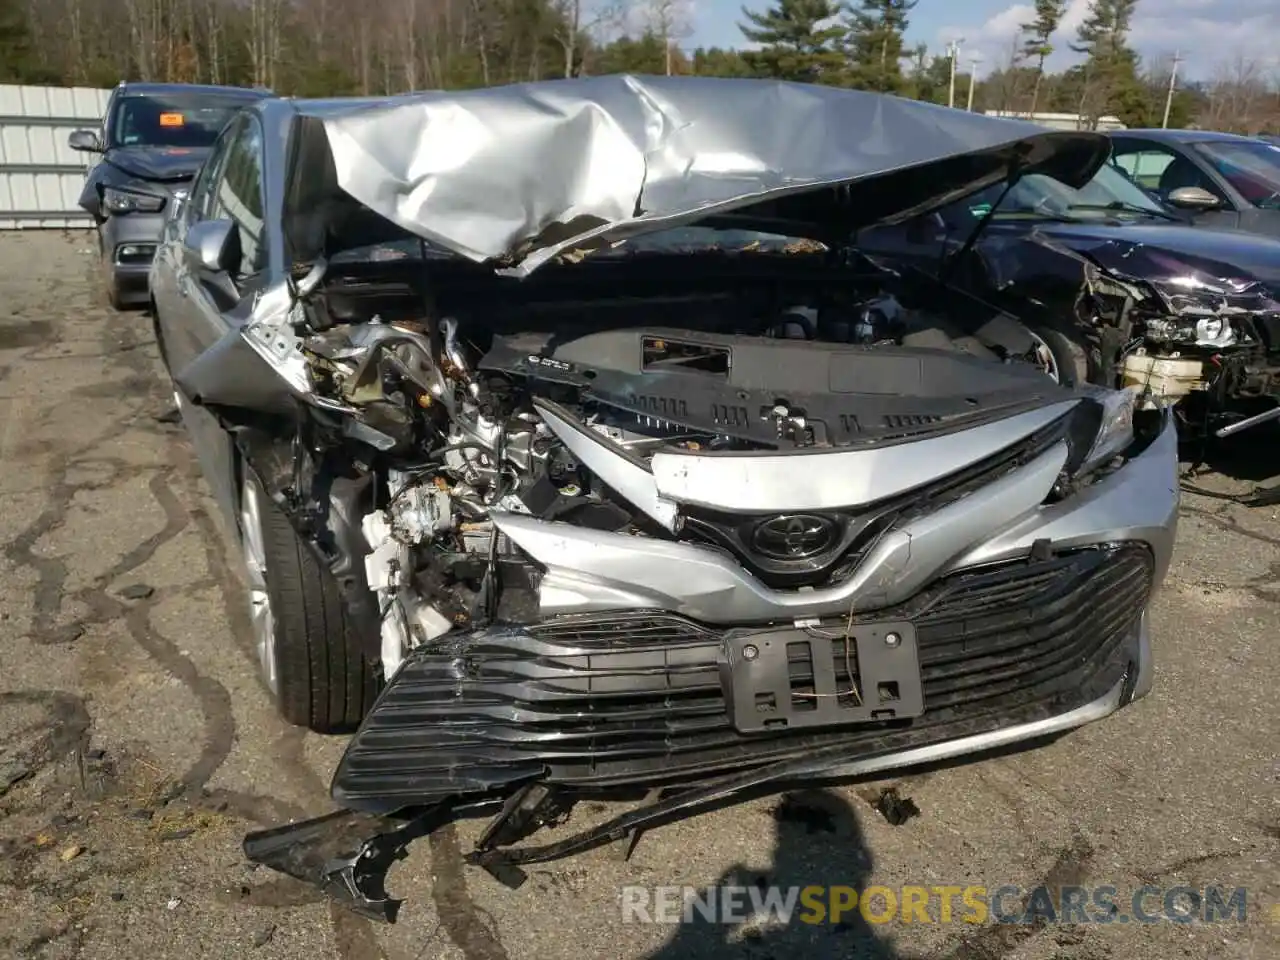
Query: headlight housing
{"points": [[117, 200], [1101, 428]]}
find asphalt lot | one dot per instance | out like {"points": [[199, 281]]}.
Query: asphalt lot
{"points": [[137, 746]]}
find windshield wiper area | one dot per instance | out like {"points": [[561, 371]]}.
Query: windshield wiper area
{"points": [[1126, 207]]}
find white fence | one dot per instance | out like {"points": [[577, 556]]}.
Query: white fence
{"points": [[40, 176]]}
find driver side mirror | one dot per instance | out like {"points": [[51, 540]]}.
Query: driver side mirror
{"points": [[86, 141], [1193, 198], [213, 245]]}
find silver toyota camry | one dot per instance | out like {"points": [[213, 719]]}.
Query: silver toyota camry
{"points": [[572, 446]]}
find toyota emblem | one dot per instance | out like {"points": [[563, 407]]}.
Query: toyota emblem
{"points": [[793, 537]]}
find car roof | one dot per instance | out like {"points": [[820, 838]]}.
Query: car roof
{"points": [[1183, 136], [129, 89], [328, 106]]}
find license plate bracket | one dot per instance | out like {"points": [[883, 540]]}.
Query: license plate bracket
{"points": [[763, 696]]}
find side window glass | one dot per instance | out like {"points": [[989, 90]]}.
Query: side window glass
{"points": [[1143, 166], [200, 201], [1160, 171], [238, 195]]}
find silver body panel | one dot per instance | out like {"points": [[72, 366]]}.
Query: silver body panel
{"points": [[825, 480], [1137, 502]]}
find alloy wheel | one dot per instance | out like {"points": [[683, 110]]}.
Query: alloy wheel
{"points": [[261, 616]]}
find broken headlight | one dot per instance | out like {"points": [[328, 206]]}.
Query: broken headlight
{"points": [[1101, 428], [1205, 331], [130, 201]]}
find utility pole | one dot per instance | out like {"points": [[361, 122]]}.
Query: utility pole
{"points": [[953, 51], [1173, 79], [973, 70]]}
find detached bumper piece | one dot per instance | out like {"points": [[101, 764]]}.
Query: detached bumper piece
{"points": [[646, 698]]}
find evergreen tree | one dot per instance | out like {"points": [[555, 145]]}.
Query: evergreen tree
{"points": [[796, 46], [644, 54], [18, 60], [1037, 45], [929, 77], [875, 43], [715, 62], [1111, 80]]}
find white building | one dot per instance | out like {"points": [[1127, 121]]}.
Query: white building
{"points": [[1059, 121]]}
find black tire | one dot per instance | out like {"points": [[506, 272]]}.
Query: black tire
{"points": [[1070, 355], [323, 679], [113, 296], [110, 290]]}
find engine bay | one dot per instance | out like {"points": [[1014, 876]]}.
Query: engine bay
{"points": [[545, 397]]}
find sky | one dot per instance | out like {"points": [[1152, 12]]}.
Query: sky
{"points": [[1207, 33]]}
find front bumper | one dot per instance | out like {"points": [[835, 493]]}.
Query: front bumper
{"points": [[601, 700], [128, 246], [1037, 628]]}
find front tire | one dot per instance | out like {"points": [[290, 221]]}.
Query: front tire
{"points": [[1062, 357], [308, 648], [110, 288]]}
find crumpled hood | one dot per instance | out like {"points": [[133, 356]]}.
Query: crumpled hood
{"points": [[1160, 250], [518, 174], [1192, 270], [158, 163]]}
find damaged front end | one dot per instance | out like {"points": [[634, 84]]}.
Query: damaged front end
{"points": [[689, 558], [690, 518], [1185, 333]]}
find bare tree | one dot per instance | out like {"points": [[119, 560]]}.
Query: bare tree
{"points": [[584, 17], [265, 17], [1238, 97], [668, 20], [1011, 75]]}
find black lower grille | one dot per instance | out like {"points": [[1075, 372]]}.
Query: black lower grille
{"points": [[636, 697]]}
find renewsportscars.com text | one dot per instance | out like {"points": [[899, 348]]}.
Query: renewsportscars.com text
{"points": [[932, 904]]}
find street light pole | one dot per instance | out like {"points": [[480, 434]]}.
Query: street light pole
{"points": [[953, 48], [973, 70], [1173, 79]]}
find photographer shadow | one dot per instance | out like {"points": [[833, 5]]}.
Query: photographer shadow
{"points": [[818, 842]]}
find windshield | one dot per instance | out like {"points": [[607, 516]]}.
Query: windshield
{"points": [[1108, 192], [1253, 168], [177, 120]]}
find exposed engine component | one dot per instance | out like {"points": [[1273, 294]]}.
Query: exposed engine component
{"points": [[531, 423], [1184, 341], [1162, 379]]}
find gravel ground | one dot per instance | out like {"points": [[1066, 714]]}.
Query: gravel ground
{"points": [[137, 746]]}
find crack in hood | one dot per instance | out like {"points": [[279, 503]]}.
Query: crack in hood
{"points": [[517, 175]]}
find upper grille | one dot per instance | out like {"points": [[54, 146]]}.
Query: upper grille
{"points": [[857, 530], [596, 698]]}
